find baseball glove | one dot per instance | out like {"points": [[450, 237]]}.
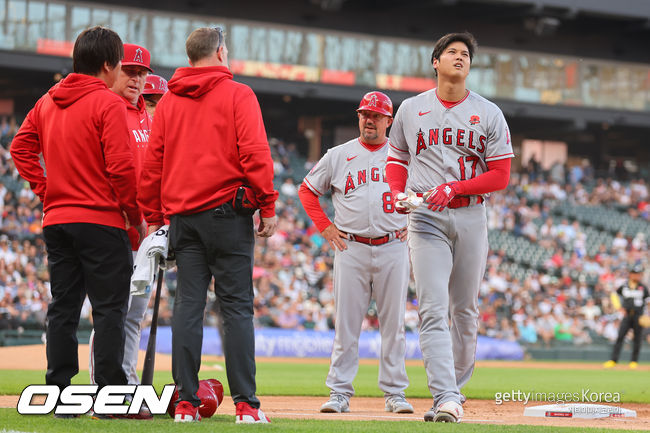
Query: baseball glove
{"points": [[644, 321], [407, 202]]}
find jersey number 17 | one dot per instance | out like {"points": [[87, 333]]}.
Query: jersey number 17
{"points": [[470, 159]]}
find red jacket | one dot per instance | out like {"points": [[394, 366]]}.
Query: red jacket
{"points": [[79, 126], [208, 138], [139, 123]]}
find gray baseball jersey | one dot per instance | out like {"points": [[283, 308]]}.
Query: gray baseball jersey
{"points": [[361, 197], [354, 172], [440, 144], [448, 144]]}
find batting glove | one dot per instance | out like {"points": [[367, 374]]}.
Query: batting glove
{"points": [[406, 203], [439, 197]]}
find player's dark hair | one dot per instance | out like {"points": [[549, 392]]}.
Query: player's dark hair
{"points": [[95, 46], [448, 39], [202, 42]]}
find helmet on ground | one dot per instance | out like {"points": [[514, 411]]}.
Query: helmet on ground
{"points": [[217, 387], [377, 102], [209, 401], [210, 393]]}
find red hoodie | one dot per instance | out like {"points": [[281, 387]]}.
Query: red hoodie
{"points": [[79, 126], [208, 138], [139, 123]]}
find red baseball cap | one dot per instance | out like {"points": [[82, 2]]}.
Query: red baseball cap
{"points": [[155, 85], [137, 56]]}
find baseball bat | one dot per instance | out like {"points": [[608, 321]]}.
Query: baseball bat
{"points": [[150, 356]]}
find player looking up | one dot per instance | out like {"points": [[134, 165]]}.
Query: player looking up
{"points": [[451, 146], [370, 254]]}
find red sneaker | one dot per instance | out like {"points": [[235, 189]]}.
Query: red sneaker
{"points": [[245, 414], [185, 412]]}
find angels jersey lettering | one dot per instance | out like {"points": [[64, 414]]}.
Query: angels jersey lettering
{"points": [[442, 144], [354, 173]]}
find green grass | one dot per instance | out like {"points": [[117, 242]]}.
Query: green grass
{"points": [[9, 419], [275, 378]]}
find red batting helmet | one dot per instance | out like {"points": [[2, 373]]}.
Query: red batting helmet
{"points": [[217, 387], [210, 393], [378, 102], [155, 85], [136, 55]]}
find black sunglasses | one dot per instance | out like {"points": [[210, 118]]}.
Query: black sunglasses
{"points": [[219, 31]]}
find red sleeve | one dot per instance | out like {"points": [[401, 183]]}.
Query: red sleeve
{"points": [[311, 204], [119, 159], [396, 175], [254, 150], [151, 174], [495, 179], [25, 152]]}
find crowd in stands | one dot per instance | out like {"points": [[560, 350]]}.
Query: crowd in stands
{"points": [[563, 299]]}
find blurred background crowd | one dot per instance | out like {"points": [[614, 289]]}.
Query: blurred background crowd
{"points": [[561, 241]]}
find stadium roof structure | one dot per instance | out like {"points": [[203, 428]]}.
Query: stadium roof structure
{"points": [[593, 28], [577, 30]]}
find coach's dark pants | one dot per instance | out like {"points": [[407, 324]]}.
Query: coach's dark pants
{"points": [[95, 260], [219, 243], [630, 321]]}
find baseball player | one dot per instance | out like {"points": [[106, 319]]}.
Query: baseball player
{"points": [[451, 146], [370, 254], [154, 88], [129, 85], [633, 295]]}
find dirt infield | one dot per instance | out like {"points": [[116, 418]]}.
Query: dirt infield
{"points": [[32, 357], [362, 408], [367, 409]]}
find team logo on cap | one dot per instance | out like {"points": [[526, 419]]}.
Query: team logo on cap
{"points": [[474, 120], [138, 56], [373, 101], [161, 84]]}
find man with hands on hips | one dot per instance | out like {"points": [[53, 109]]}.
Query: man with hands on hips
{"points": [[370, 254]]}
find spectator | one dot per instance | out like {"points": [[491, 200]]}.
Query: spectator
{"points": [[288, 188], [528, 332]]}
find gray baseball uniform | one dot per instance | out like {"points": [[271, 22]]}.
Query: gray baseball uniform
{"points": [[449, 248], [363, 206]]}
